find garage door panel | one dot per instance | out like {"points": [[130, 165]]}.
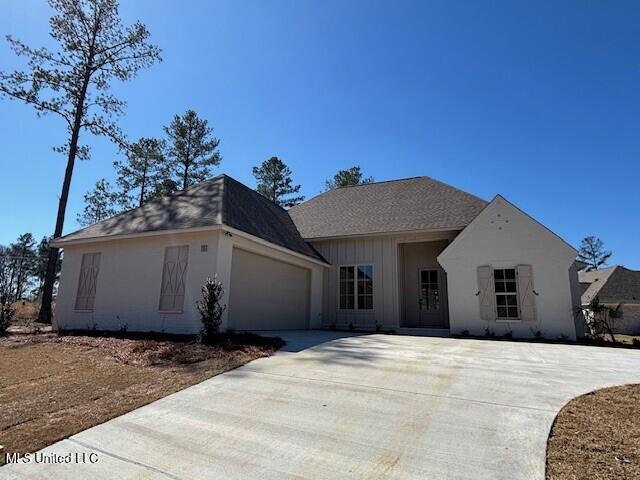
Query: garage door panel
{"points": [[267, 294]]}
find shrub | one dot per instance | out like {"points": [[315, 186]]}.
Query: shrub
{"points": [[211, 309]]}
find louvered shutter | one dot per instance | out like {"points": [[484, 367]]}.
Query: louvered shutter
{"points": [[486, 296], [173, 278], [87, 281], [527, 297]]}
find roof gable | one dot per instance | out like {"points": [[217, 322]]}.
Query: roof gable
{"points": [[411, 204], [500, 215], [219, 201]]}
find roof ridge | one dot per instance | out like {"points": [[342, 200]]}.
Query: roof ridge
{"points": [[379, 181], [255, 192]]}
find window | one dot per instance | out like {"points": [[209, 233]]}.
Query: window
{"points": [[173, 278], [429, 290], [87, 281], [506, 289], [356, 287]]}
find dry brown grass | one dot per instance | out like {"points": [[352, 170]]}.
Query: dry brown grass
{"points": [[53, 386], [597, 437]]}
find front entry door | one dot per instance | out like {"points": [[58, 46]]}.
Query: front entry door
{"points": [[431, 298]]}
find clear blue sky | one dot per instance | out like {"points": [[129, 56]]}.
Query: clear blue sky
{"points": [[538, 101]]}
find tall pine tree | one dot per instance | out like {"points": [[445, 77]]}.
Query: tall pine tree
{"points": [[192, 149], [144, 169], [275, 183], [99, 204], [348, 177], [73, 82]]}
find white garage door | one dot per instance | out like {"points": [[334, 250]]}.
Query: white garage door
{"points": [[267, 294]]}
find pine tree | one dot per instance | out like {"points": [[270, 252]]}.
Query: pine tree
{"points": [[348, 177], [73, 82], [192, 150], [22, 261], [141, 173], [592, 252], [274, 182], [100, 204]]}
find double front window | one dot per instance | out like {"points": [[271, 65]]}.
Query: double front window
{"points": [[356, 287]]}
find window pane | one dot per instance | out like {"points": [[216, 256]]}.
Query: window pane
{"points": [[502, 301], [510, 286], [347, 287], [512, 312], [510, 274], [498, 274], [502, 312], [365, 287], [512, 300], [499, 286]]}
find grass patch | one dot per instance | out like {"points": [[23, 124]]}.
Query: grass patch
{"points": [[52, 386], [597, 436]]}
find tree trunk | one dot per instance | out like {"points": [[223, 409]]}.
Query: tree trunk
{"points": [[44, 315]]}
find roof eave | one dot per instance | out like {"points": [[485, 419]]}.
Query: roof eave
{"points": [[385, 233]]}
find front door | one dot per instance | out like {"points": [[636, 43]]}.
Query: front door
{"points": [[431, 298]]}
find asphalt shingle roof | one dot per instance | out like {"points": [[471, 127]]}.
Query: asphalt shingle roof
{"points": [[611, 285], [419, 203], [219, 201]]}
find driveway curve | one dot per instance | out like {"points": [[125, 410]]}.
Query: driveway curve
{"points": [[354, 406]]}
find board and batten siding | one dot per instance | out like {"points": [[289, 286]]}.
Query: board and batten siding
{"points": [[382, 253]]}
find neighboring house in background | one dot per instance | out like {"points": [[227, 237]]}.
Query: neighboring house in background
{"points": [[614, 286], [410, 253]]}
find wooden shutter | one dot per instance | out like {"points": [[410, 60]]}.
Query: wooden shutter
{"points": [[173, 278], [87, 281], [526, 295], [486, 296]]}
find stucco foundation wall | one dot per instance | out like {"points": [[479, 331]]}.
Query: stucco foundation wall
{"points": [[503, 236], [128, 284], [382, 253]]}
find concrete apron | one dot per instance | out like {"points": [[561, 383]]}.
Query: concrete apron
{"points": [[370, 406]]}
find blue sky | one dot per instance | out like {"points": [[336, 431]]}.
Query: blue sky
{"points": [[538, 101]]}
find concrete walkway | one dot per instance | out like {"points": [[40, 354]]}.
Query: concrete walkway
{"points": [[370, 406]]}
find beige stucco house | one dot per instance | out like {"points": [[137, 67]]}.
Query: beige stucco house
{"points": [[404, 254]]}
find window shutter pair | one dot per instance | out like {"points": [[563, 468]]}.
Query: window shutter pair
{"points": [[173, 278], [87, 282], [526, 293]]}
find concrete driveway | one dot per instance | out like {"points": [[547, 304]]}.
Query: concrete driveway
{"points": [[370, 406]]}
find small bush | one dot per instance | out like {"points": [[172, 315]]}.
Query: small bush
{"points": [[211, 309]]}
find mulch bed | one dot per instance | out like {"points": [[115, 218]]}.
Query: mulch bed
{"points": [[597, 437], [52, 386]]}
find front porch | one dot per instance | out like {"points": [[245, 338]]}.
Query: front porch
{"points": [[422, 287]]}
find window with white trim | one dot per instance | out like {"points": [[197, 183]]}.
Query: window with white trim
{"points": [[87, 281], [356, 287], [173, 278], [506, 291]]}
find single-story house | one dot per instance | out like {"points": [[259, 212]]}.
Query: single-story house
{"points": [[615, 287], [409, 253]]}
